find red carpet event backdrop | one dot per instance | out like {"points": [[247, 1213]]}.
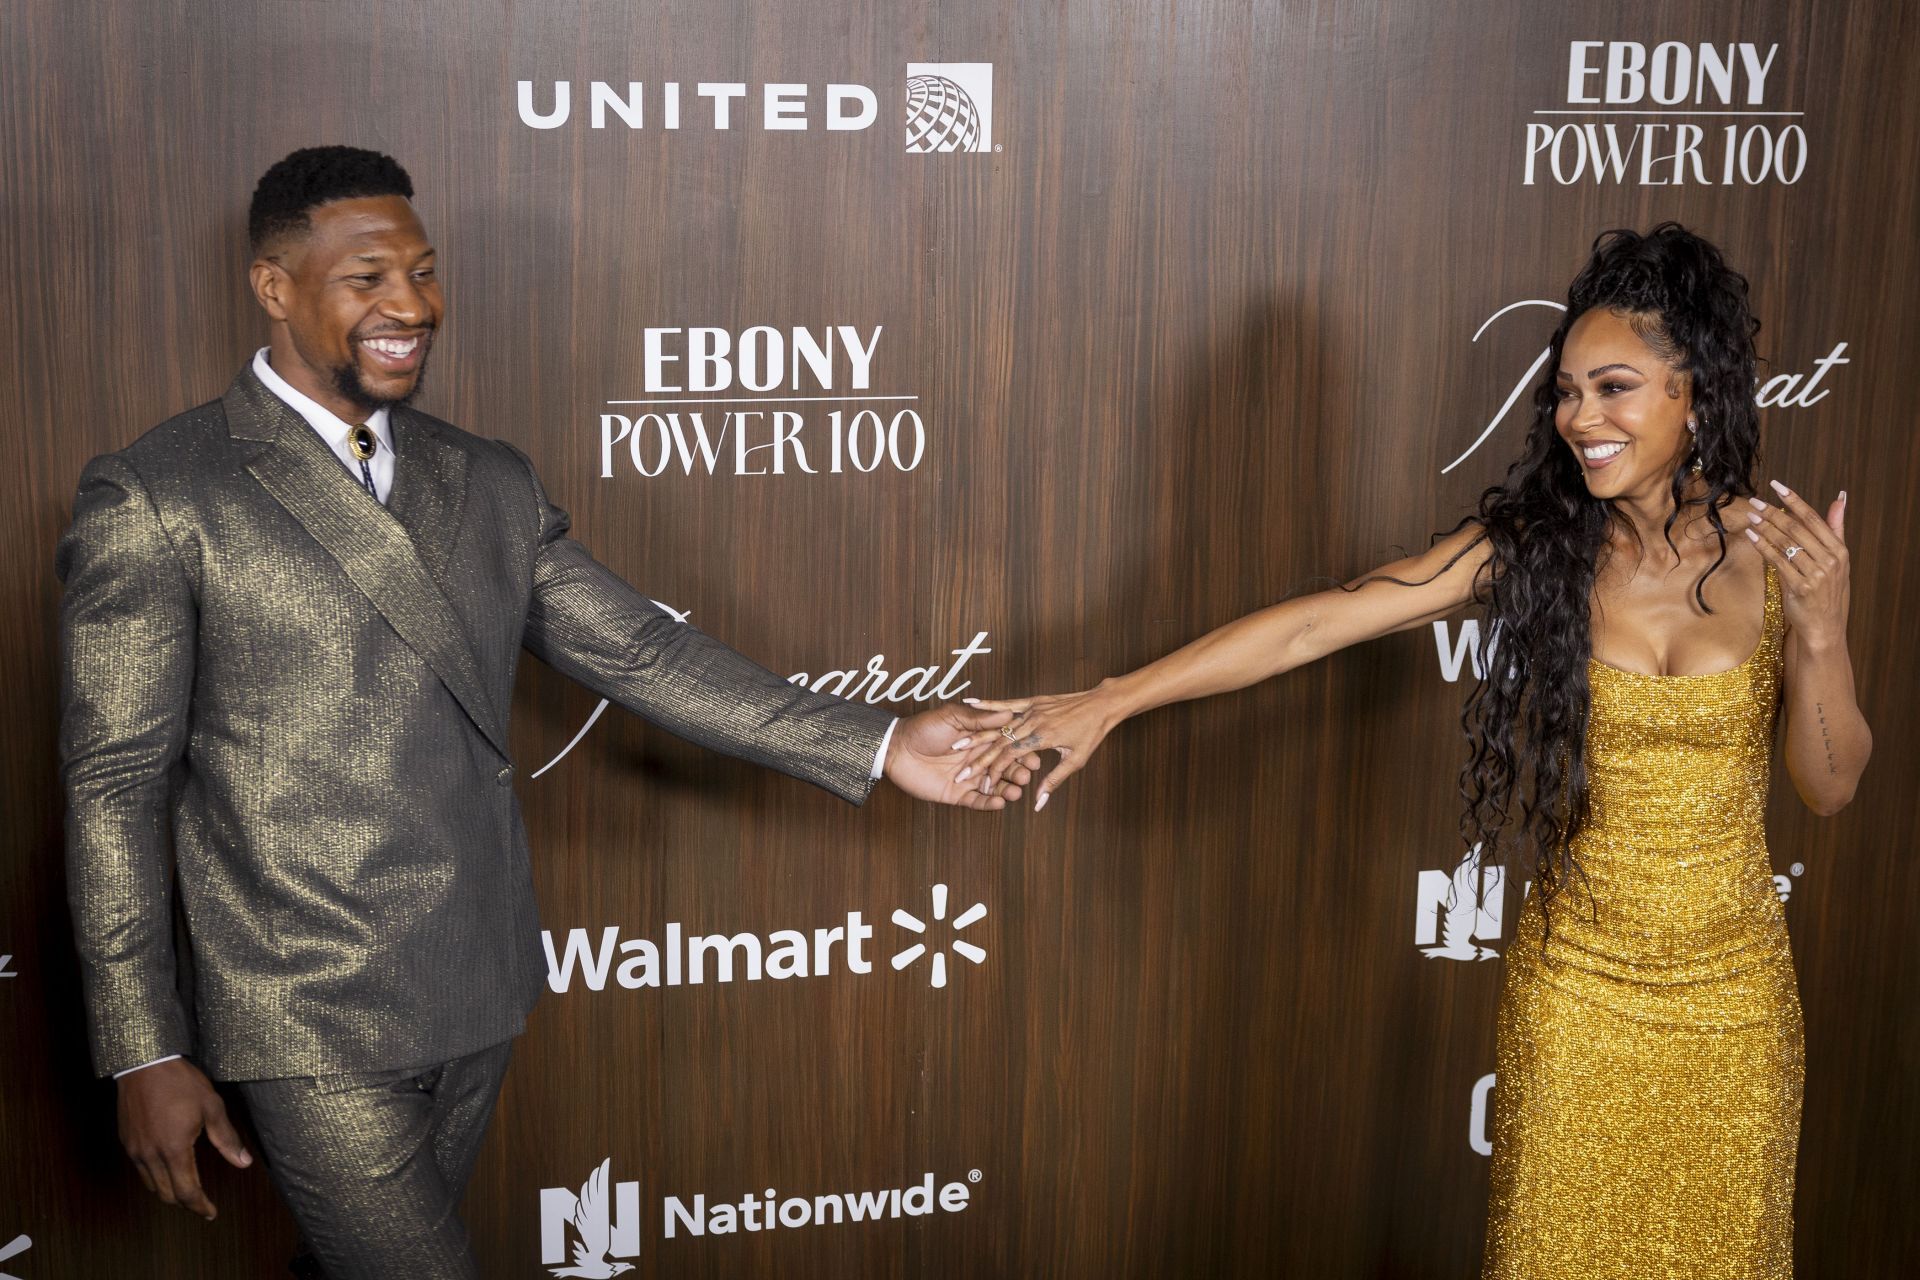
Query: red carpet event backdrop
{"points": [[937, 350]]}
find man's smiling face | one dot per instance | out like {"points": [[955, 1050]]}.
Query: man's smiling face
{"points": [[360, 304]]}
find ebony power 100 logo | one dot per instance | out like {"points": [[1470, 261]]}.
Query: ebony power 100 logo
{"points": [[1667, 114]]}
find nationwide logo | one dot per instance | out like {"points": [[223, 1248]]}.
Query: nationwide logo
{"points": [[1653, 117], [1781, 391], [685, 959], [601, 1233], [949, 106], [1455, 916], [1458, 916], [770, 1211], [602, 1219], [966, 950]]}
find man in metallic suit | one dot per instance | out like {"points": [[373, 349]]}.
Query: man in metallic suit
{"points": [[289, 635]]}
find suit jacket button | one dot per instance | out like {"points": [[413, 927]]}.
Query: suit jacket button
{"points": [[505, 776]]}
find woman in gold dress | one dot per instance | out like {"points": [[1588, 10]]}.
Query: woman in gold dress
{"points": [[1653, 620]]}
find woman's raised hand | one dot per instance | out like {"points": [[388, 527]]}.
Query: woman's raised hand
{"points": [[1073, 725], [1809, 552]]}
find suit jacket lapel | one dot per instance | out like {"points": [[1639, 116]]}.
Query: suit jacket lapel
{"points": [[371, 545], [429, 487]]}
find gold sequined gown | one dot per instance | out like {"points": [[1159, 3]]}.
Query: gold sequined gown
{"points": [[1646, 1104]]}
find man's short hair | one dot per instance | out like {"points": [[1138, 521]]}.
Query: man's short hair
{"points": [[311, 177]]}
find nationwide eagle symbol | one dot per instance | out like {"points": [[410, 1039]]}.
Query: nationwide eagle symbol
{"points": [[1465, 910], [593, 1220]]}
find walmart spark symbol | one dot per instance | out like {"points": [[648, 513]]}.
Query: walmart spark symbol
{"points": [[13, 1249], [971, 915]]}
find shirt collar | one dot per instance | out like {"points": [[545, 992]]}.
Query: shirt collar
{"points": [[332, 429]]}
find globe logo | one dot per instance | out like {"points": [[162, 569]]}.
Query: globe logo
{"points": [[940, 116]]}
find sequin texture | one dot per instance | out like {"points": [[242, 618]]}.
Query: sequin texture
{"points": [[1650, 1056]]}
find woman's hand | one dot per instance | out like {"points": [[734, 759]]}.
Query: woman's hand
{"points": [[1073, 725], [920, 757], [1828, 742], [1810, 555]]}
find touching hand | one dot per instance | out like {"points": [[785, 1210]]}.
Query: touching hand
{"points": [[1809, 553], [163, 1110], [1071, 724], [921, 758]]}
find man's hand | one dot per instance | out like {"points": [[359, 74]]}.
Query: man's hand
{"points": [[927, 750], [163, 1109]]}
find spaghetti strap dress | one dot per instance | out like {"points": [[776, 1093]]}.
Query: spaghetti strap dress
{"points": [[1650, 1055]]}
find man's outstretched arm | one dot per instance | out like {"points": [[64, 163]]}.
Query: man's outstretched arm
{"points": [[591, 626]]}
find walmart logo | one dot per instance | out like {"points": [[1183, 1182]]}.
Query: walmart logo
{"points": [[971, 915], [679, 957]]}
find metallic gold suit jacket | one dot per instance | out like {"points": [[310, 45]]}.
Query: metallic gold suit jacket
{"points": [[284, 711]]}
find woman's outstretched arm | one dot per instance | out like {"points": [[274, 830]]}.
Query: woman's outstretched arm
{"points": [[1394, 597]]}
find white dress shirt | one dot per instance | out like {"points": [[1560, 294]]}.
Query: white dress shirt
{"points": [[334, 431]]}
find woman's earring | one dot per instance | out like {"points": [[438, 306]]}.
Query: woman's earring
{"points": [[1693, 428]]}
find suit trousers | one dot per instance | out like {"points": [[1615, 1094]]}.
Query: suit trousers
{"points": [[373, 1163]]}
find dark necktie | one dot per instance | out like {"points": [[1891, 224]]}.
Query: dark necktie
{"points": [[361, 442]]}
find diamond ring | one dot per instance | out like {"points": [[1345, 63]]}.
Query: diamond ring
{"points": [[1794, 551]]}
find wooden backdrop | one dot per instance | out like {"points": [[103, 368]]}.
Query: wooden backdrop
{"points": [[1197, 333]]}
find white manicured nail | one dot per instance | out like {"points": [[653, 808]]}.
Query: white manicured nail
{"points": [[962, 745], [965, 774], [1781, 489], [972, 702], [1041, 803], [1753, 535]]}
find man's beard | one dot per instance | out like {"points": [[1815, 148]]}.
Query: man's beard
{"points": [[346, 381]]}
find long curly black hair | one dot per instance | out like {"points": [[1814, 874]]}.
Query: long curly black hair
{"points": [[1526, 718]]}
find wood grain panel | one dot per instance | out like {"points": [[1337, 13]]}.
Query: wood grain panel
{"points": [[1199, 336]]}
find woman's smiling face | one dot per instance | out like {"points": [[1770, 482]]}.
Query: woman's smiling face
{"points": [[1623, 408]]}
